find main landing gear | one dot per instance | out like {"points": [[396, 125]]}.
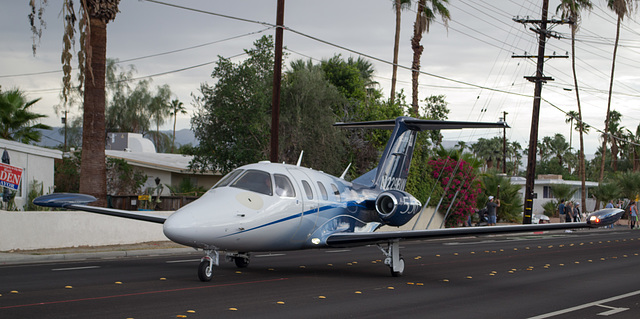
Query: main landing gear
{"points": [[212, 257], [393, 258]]}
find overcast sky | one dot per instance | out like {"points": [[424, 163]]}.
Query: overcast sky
{"points": [[473, 54]]}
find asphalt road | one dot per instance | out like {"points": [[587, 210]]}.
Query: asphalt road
{"points": [[585, 274]]}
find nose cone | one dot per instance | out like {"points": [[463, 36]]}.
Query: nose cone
{"points": [[178, 228]]}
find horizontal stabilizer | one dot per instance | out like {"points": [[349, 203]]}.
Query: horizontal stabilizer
{"points": [[79, 202], [423, 125]]}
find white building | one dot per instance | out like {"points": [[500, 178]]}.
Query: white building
{"points": [[542, 191], [171, 169], [37, 164]]}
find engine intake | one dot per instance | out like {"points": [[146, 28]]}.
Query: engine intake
{"points": [[396, 208]]}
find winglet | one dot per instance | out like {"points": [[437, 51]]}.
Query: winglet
{"points": [[61, 200], [604, 217]]}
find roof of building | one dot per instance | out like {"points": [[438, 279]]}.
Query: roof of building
{"points": [[547, 180], [30, 149], [175, 163]]}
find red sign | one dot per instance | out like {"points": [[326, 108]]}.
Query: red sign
{"points": [[10, 176]]}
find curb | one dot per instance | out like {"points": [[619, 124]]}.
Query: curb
{"points": [[13, 258]]}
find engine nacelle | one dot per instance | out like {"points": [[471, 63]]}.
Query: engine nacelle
{"points": [[396, 208]]}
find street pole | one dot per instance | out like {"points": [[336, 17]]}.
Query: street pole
{"points": [[277, 78], [535, 118], [504, 144], [538, 79]]}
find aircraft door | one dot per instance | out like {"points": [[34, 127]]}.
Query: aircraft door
{"points": [[310, 205]]}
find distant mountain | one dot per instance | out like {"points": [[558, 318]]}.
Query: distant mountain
{"points": [[55, 137]]}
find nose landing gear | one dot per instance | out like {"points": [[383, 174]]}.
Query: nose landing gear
{"points": [[205, 270]]}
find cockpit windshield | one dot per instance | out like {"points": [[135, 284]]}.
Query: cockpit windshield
{"points": [[255, 181], [228, 178]]}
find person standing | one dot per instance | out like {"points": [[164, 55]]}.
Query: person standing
{"points": [[633, 215], [609, 205], [561, 211], [576, 213], [492, 210], [568, 211]]}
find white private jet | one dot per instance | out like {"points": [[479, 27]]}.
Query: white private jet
{"points": [[274, 207]]}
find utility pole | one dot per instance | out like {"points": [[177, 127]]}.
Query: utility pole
{"points": [[538, 79], [277, 77], [504, 143]]}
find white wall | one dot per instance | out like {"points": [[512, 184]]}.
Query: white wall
{"points": [[36, 230]]}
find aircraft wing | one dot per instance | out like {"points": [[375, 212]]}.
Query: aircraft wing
{"points": [[422, 125], [600, 218], [78, 202]]}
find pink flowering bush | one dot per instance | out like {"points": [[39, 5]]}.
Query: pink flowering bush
{"points": [[461, 180]]}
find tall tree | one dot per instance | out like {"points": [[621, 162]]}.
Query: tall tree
{"points": [[424, 17], [633, 148], [17, 123], [614, 133], [176, 107], [559, 148], [94, 16], [621, 8], [571, 9], [398, 6], [160, 108], [233, 120], [93, 166]]}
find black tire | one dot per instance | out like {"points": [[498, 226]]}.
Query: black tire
{"points": [[398, 273], [241, 262], [205, 271]]}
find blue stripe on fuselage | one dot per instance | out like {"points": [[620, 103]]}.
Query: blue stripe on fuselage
{"points": [[307, 213]]}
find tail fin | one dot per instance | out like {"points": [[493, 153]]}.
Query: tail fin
{"points": [[393, 169]]}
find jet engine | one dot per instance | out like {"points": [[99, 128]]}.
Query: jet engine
{"points": [[396, 208]]}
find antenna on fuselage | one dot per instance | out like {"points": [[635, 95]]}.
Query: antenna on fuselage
{"points": [[345, 171], [300, 158]]}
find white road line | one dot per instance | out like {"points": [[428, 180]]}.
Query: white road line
{"points": [[337, 251], [75, 268], [269, 255], [181, 261], [587, 305]]}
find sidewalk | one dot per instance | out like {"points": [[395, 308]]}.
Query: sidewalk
{"points": [[100, 252]]}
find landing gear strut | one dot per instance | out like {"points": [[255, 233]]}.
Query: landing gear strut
{"points": [[393, 258], [240, 259], [205, 270]]}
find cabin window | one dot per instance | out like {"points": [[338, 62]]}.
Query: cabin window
{"points": [[336, 191], [255, 181], [228, 178], [323, 191], [307, 189], [284, 188]]}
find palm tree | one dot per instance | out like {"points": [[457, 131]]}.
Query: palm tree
{"points": [[160, 108], [17, 123], [614, 132], [93, 179], [424, 16], [571, 115], [176, 107], [621, 8], [398, 6], [94, 16], [571, 9], [559, 148], [633, 148]]}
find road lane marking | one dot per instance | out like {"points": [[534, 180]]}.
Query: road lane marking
{"points": [[181, 261], [337, 251], [587, 305], [75, 268], [269, 255]]}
